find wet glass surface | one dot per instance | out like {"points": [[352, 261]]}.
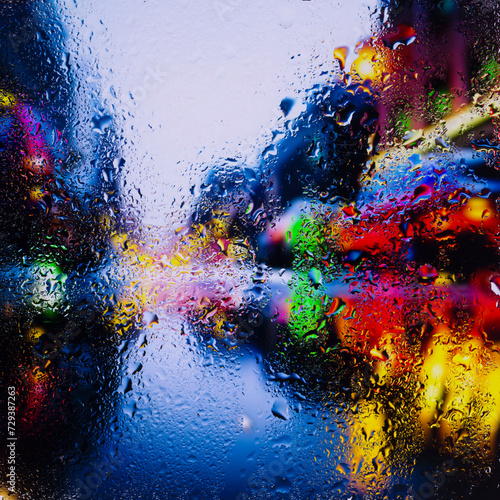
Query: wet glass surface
{"points": [[249, 251]]}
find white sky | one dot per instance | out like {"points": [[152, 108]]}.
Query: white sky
{"points": [[206, 75]]}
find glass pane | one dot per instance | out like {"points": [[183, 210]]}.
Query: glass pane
{"points": [[249, 250]]}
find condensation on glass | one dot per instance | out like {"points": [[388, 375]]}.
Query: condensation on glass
{"points": [[249, 251]]}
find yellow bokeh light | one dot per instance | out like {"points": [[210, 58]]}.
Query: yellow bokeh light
{"points": [[367, 66]]}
